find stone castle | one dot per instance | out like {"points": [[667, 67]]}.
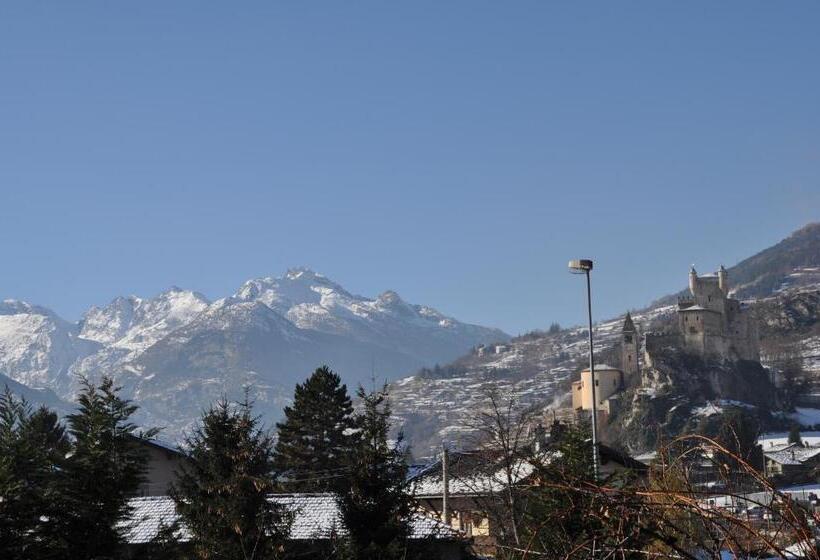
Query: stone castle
{"points": [[712, 324], [709, 323]]}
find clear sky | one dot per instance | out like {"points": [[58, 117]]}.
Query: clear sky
{"points": [[457, 152]]}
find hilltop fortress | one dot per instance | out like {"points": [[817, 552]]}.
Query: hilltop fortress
{"points": [[708, 323]]}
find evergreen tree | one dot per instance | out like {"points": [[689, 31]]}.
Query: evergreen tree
{"points": [[316, 436], [375, 507], [105, 469], [32, 447], [794, 435], [221, 493]]}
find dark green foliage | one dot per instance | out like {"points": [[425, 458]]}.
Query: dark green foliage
{"points": [[566, 459], [738, 432], [563, 512], [32, 446], [316, 436], [375, 507], [794, 435], [222, 492], [104, 470], [165, 545]]}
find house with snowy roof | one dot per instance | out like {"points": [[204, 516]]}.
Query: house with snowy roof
{"points": [[791, 464], [316, 522]]}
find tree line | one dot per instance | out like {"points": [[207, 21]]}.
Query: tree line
{"points": [[65, 486]]}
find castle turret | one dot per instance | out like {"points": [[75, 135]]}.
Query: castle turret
{"points": [[629, 347], [693, 279], [723, 280]]}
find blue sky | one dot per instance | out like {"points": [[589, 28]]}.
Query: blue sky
{"points": [[457, 152]]}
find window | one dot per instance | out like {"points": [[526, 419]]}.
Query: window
{"points": [[597, 382], [628, 338]]}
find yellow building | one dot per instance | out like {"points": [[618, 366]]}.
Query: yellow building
{"points": [[608, 381]]}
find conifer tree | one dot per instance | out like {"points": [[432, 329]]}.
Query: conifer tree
{"points": [[105, 469], [221, 493], [32, 447], [375, 507], [316, 436]]}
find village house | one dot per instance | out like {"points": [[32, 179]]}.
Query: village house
{"points": [[792, 464], [164, 460]]}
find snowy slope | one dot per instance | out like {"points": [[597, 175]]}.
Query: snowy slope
{"points": [[176, 352]]}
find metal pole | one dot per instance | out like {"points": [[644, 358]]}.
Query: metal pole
{"points": [[595, 457], [445, 478]]}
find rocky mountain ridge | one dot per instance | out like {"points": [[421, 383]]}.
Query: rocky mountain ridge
{"points": [[178, 351]]}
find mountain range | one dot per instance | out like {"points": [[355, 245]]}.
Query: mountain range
{"points": [[178, 351]]}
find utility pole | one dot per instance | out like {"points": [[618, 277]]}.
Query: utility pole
{"points": [[445, 478]]}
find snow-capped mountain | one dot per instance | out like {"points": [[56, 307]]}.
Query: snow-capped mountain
{"points": [[38, 348], [176, 352], [313, 302]]}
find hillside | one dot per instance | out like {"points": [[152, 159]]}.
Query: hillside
{"points": [[178, 351], [781, 284]]}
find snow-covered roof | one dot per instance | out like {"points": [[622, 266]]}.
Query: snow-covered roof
{"points": [[794, 455], [646, 458], [316, 516], [469, 474]]}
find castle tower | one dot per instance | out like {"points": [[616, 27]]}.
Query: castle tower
{"points": [[629, 348], [693, 279], [723, 281]]}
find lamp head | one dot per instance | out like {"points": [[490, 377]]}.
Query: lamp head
{"points": [[580, 266]]}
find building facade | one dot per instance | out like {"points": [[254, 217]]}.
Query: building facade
{"points": [[608, 382]]}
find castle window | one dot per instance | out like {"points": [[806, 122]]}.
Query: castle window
{"points": [[597, 382], [628, 338]]}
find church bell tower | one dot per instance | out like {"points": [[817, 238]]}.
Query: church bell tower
{"points": [[629, 348]]}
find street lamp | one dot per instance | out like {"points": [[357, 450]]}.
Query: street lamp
{"points": [[584, 266]]}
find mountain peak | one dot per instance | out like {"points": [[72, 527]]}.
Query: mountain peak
{"points": [[302, 273], [389, 297]]}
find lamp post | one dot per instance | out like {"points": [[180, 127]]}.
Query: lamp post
{"points": [[584, 266]]}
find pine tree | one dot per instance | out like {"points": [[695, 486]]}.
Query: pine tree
{"points": [[316, 436], [375, 507], [794, 434], [104, 470], [221, 493], [33, 446]]}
